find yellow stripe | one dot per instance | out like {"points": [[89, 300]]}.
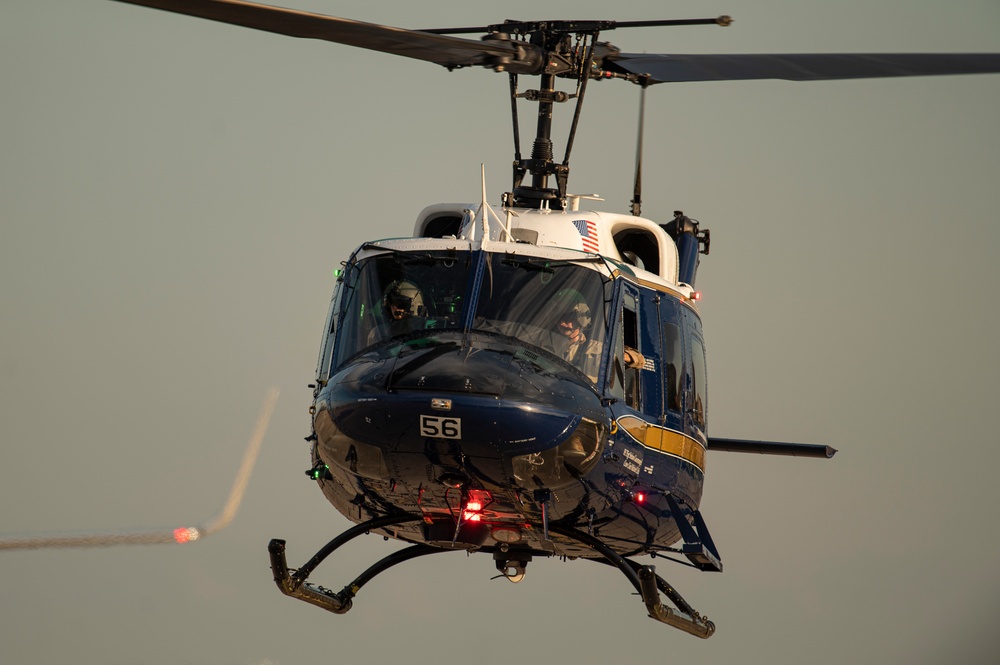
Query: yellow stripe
{"points": [[664, 440]]}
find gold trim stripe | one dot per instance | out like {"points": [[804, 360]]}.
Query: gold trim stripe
{"points": [[664, 440]]}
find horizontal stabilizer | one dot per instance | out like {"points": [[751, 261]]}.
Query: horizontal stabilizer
{"points": [[771, 447]]}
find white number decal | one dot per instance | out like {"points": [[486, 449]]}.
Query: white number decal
{"points": [[441, 428]]}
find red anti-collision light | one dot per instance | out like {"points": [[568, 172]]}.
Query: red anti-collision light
{"points": [[478, 499]]}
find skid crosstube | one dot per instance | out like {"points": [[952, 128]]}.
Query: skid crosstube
{"points": [[647, 583]]}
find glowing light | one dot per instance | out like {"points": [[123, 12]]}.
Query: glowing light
{"points": [[474, 504], [696, 295], [186, 534], [639, 497], [472, 509]]}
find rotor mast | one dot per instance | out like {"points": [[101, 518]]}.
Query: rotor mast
{"points": [[561, 57], [541, 150], [540, 165]]}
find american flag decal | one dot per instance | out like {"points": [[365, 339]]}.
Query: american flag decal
{"points": [[588, 234]]}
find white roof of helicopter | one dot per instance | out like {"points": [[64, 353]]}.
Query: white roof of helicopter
{"points": [[549, 233]]}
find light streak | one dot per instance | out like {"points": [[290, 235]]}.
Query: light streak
{"points": [[162, 536]]}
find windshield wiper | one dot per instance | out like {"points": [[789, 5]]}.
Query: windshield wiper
{"points": [[547, 265], [416, 258]]}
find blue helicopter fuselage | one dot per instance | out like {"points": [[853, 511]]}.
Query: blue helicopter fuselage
{"points": [[449, 388]]}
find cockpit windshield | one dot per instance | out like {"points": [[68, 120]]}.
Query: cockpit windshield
{"points": [[399, 294], [556, 306]]}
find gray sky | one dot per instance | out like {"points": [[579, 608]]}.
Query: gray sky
{"points": [[175, 194]]}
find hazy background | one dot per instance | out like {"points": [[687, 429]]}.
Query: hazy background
{"points": [[175, 194]]}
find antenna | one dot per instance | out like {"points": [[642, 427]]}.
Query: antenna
{"points": [[637, 189]]}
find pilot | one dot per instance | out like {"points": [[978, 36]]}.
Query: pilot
{"points": [[403, 305], [571, 327]]}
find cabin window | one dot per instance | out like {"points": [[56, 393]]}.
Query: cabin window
{"points": [[699, 375], [556, 306], [672, 355], [398, 295]]}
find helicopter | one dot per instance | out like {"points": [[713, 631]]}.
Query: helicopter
{"points": [[452, 411]]}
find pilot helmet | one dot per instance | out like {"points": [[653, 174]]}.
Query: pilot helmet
{"points": [[572, 307], [404, 296]]}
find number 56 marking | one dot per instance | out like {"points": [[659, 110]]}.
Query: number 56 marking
{"points": [[441, 428]]}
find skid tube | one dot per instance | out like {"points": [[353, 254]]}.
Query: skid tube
{"points": [[295, 585], [644, 578], [648, 584]]}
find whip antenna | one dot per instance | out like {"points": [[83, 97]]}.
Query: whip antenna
{"points": [[637, 189]]}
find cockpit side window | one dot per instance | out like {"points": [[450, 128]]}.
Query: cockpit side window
{"points": [[326, 349], [672, 355], [698, 406], [632, 360], [557, 306], [627, 361]]}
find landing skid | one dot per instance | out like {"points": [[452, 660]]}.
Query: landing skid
{"points": [[295, 585], [645, 580], [511, 562]]}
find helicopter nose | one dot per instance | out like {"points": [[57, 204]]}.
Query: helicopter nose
{"points": [[460, 412]]}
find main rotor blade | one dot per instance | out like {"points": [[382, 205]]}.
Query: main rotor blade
{"points": [[449, 52], [571, 27], [663, 68]]}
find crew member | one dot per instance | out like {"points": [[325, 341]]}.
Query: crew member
{"points": [[403, 307]]}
